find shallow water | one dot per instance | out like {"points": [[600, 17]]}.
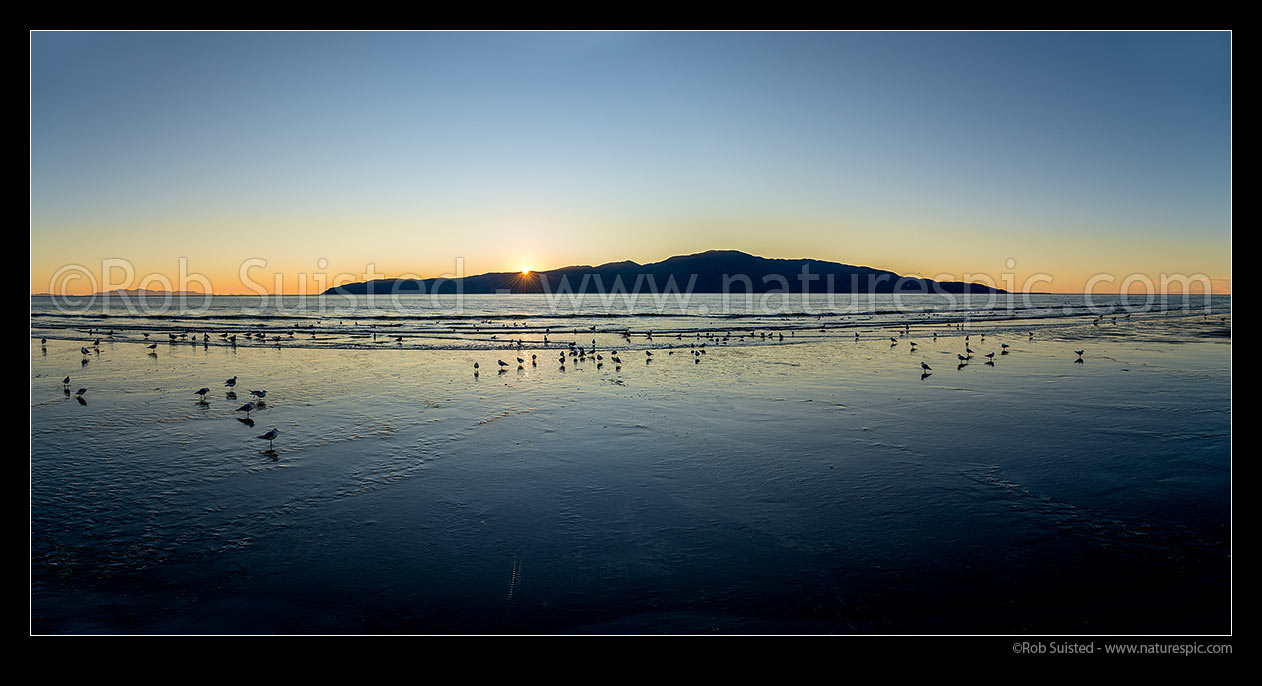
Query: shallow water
{"points": [[817, 484]]}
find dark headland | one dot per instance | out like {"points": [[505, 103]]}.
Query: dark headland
{"points": [[714, 271]]}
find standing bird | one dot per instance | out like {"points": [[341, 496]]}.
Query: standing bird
{"points": [[269, 437], [231, 383], [246, 408], [926, 367], [81, 391], [1080, 352], [83, 350]]}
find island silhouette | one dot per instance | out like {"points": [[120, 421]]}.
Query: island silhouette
{"points": [[713, 271]]}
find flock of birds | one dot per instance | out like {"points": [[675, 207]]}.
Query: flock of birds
{"points": [[580, 353], [255, 403], [572, 352]]}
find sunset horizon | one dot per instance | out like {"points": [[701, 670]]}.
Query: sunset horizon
{"points": [[261, 282], [1066, 153]]}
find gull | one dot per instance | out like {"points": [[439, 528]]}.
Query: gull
{"points": [[231, 383], [1080, 352], [259, 394], [503, 363], [83, 350], [202, 392], [153, 346], [990, 356], [65, 381], [269, 437], [926, 367], [962, 358], [246, 408], [43, 341], [1003, 345], [81, 391]]}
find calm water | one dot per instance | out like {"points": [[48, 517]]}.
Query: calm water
{"points": [[815, 484]]}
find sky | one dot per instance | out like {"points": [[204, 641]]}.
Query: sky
{"points": [[1066, 160]]}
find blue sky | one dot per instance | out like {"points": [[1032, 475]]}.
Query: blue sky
{"points": [[1069, 153]]}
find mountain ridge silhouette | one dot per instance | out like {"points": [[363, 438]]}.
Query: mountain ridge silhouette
{"points": [[712, 271]]}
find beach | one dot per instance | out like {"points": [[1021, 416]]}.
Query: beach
{"points": [[819, 483]]}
